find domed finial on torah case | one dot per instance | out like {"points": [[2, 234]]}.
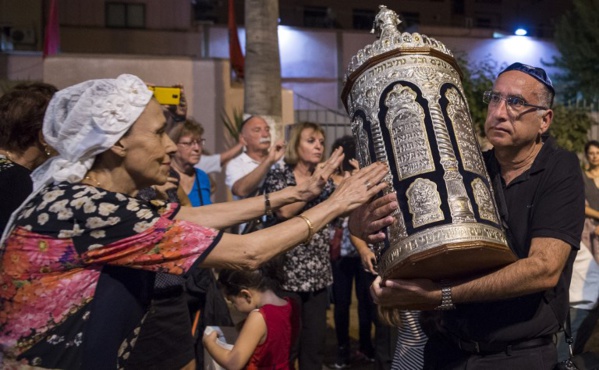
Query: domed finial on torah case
{"points": [[390, 43], [385, 20]]}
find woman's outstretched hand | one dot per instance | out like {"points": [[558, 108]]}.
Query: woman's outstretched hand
{"points": [[360, 187], [311, 189]]}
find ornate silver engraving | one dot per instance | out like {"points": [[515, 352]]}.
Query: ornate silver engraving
{"points": [[459, 203], [484, 200], [441, 235], [405, 122], [362, 138], [424, 202], [457, 109]]}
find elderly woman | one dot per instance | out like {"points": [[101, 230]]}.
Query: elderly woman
{"points": [[78, 263], [194, 182], [307, 267], [22, 147]]}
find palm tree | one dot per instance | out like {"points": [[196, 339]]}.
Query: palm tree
{"points": [[262, 93]]}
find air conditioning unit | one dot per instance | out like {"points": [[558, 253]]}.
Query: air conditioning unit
{"points": [[21, 35]]}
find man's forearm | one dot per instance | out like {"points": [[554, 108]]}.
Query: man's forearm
{"points": [[229, 154], [539, 271], [250, 182]]}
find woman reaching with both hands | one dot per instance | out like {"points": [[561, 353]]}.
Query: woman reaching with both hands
{"points": [[307, 268], [79, 257]]}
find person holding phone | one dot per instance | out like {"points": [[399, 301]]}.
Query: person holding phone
{"points": [[78, 261], [174, 101]]}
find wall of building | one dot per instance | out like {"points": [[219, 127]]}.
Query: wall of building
{"points": [[123, 41], [21, 66], [313, 62], [159, 14]]}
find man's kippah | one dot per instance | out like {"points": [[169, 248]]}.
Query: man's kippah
{"points": [[538, 73], [245, 121]]}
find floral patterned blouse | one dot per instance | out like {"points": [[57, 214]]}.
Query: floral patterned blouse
{"points": [[15, 187], [77, 273], [307, 267]]}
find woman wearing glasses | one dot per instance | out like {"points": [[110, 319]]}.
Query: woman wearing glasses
{"points": [[194, 182], [78, 263]]}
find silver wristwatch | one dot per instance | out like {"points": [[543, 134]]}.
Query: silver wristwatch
{"points": [[446, 301]]}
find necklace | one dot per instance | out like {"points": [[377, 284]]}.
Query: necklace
{"points": [[93, 181]]}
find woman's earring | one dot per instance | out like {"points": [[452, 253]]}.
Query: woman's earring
{"points": [[47, 150]]}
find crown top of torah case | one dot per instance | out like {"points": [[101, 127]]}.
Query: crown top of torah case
{"points": [[408, 109]]}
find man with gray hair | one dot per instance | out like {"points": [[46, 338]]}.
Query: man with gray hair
{"points": [[246, 172], [505, 319]]}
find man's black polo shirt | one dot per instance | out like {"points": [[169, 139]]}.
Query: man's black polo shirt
{"points": [[545, 201]]}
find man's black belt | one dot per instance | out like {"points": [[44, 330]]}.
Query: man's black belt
{"points": [[496, 347]]}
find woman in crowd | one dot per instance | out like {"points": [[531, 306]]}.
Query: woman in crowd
{"points": [[194, 182], [166, 340], [584, 287], [307, 267], [22, 146], [78, 262]]}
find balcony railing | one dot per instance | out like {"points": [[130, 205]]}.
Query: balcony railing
{"points": [[335, 123]]}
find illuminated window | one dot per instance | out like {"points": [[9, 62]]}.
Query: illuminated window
{"points": [[124, 15]]}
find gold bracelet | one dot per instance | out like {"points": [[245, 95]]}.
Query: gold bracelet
{"points": [[310, 228]]}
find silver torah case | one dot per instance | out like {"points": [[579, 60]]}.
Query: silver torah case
{"points": [[407, 106]]}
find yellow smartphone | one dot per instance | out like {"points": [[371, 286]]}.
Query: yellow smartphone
{"points": [[167, 95]]}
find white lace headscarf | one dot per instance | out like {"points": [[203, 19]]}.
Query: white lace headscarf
{"points": [[82, 121]]}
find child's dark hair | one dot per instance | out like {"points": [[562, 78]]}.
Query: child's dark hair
{"points": [[266, 277], [348, 143]]}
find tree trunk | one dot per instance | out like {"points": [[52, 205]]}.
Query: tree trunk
{"points": [[262, 91]]}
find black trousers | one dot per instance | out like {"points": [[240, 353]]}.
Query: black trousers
{"points": [[440, 353], [345, 271], [309, 349]]}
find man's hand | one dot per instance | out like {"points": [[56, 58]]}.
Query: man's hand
{"points": [[180, 111], [367, 221], [416, 294], [276, 152], [366, 254]]}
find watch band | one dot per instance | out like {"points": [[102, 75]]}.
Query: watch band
{"points": [[446, 301], [267, 208]]}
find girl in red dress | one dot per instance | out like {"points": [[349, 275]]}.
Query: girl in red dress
{"points": [[272, 324]]}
